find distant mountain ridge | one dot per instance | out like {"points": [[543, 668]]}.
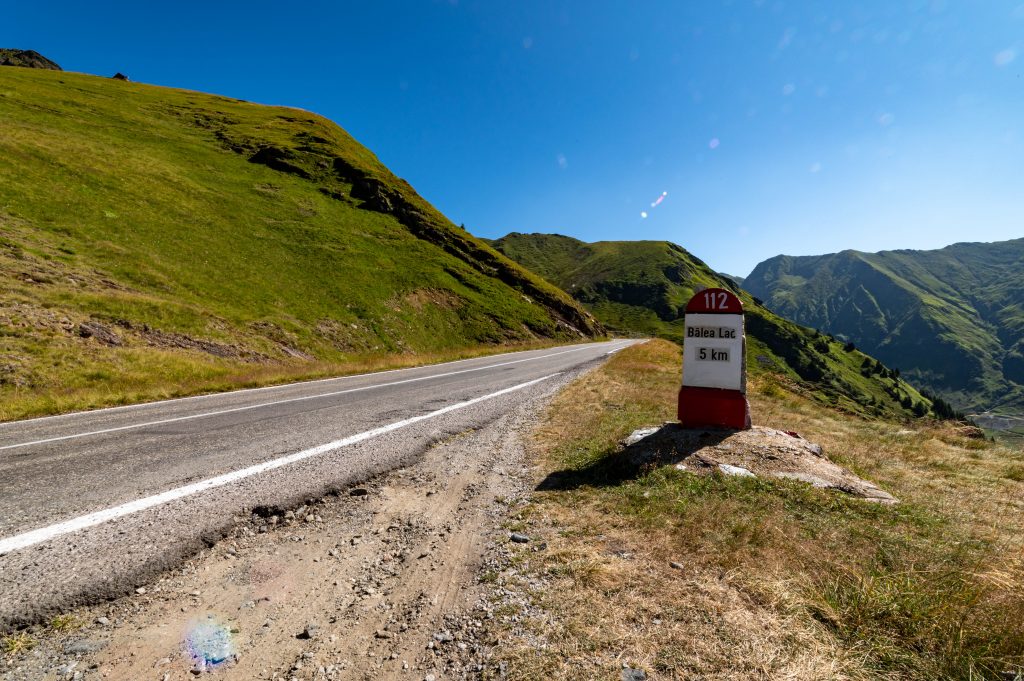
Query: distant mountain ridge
{"points": [[951, 319], [642, 287], [738, 280]]}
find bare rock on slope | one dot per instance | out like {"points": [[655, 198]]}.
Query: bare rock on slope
{"points": [[27, 58], [100, 332]]}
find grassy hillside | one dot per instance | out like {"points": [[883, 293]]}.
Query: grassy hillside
{"points": [[951, 319], [157, 241], [643, 286]]}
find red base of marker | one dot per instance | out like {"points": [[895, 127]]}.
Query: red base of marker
{"points": [[713, 408]]}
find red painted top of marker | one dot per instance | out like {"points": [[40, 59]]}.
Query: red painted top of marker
{"points": [[715, 301]]}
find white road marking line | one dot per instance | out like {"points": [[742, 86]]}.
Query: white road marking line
{"points": [[42, 534], [279, 386], [248, 407]]}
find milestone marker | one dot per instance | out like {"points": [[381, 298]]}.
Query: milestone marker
{"points": [[714, 391]]}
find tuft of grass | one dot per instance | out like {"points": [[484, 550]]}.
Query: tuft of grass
{"points": [[15, 644], [64, 623], [1015, 473]]}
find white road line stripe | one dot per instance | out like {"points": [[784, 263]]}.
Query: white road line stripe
{"points": [[279, 386], [42, 534], [248, 407]]}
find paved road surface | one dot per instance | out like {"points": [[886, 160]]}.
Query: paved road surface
{"points": [[91, 503]]}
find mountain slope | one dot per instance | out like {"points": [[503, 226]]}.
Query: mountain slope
{"points": [[150, 236], [643, 287], [952, 319]]}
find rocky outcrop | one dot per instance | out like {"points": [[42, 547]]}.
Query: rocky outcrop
{"points": [[26, 58], [281, 160]]}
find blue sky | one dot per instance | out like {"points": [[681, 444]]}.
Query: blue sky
{"points": [[774, 127]]}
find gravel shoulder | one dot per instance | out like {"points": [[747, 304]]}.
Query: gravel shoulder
{"points": [[387, 579]]}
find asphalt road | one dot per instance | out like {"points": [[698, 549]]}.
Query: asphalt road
{"points": [[93, 502]]}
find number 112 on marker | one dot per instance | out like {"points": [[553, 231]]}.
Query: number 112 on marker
{"points": [[715, 300]]}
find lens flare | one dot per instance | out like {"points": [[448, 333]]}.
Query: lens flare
{"points": [[654, 204], [209, 643]]}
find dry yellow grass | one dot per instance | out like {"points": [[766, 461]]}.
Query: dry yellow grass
{"points": [[778, 580], [184, 375]]}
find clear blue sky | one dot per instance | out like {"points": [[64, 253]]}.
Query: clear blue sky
{"points": [[774, 127]]}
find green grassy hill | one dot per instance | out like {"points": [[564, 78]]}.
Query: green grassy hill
{"points": [[643, 286], [157, 241], [951, 319]]}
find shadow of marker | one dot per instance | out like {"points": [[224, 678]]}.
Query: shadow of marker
{"points": [[668, 445]]}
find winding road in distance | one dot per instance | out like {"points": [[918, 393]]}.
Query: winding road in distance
{"points": [[92, 502]]}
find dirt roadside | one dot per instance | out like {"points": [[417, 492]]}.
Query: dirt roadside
{"points": [[385, 581]]}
